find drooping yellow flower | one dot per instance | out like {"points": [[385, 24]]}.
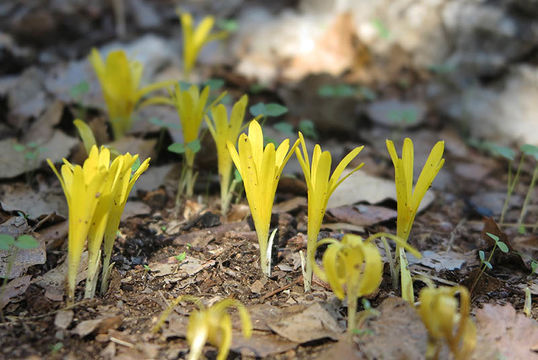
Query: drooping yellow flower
{"points": [[408, 199], [321, 184], [444, 321], [224, 130], [213, 325], [195, 39], [121, 185], [120, 82], [260, 169], [82, 188], [353, 267]]}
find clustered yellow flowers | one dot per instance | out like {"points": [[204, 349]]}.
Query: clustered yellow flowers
{"points": [[210, 324], [96, 193], [194, 39], [439, 312], [408, 199], [260, 169], [120, 82], [321, 184]]}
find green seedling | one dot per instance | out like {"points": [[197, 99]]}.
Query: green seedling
{"points": [[267, 110], [31, 152], [486, 264], [12, 246], [308, 129], [534, 266], [532, 151], [182, 256], [381, 28], [77, 93]]}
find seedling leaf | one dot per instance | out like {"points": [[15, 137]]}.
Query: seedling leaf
{"points": [[177, 148], [531, 150], [308, 129], [493, 236], [502, 246], [482, 256], [284, 128], [194, 146], [269, 110], [6, 241], [19, 147], [181, 256], [26, 242], [488, 264]]}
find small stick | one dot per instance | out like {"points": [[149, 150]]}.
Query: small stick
{"points": [[280, 289]]}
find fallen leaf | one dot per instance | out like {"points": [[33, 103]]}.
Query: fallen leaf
{"points": [[303, 324], [362, 187], [100, 326], [261, 344], [362, 215], [503, 333], [398, 333], [443, 261], [343, 349], [63, 319], [23, 260], [13, 289], [135, 208], [22, 197]]}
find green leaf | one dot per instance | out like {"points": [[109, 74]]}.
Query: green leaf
{"points": [[382, 30], [214, 84], [284, 128], [177, 148], [502, 246], [80, 89], [493, 236], [269, 110], [6, 241], [194, 146], [146, 267], [184, 85], [530, 150], [367, 93], [534, 266], [136, 165], [502, 151], [326, 91], [86, 134], [488, 265], [308, 129], [482, 256], [26, 242], [30, 155], [19, 147], [32, 144], [229, 25], [256, 88], [181, 256], [366, 304], [237, 175]]}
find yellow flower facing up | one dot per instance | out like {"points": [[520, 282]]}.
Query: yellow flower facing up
{"points": [[224, 130], [353, 266], [260, 169], [96, 197], [120, 82], [321, 184], [194, 39], [82, 188], [408, 199], [439, 312], [213, 325]]}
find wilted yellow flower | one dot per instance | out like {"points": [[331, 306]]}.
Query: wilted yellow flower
{"points": [[440, 314], [195, 39], [120, 82], [260, 169], [321, 184], [224, 130], [408, 199], [213, 325], [82, 188]]}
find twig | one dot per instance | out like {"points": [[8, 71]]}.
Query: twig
{"points": [[280, 289]]}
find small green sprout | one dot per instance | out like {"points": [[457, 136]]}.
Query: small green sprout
{"points": [[181, 256], [381, 28], [147, 269], [267, 110], [534, 266], [486, 264], [308, 128]]}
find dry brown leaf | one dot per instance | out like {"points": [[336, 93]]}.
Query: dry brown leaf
{"points": [[100, 326], [13, 289]]}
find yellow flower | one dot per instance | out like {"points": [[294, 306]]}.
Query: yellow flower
{"points": [[260, 169], [195, 39], [82, 188], [96, 194], [121, 185], [408, 199], [439, 312], [213, 325], [120, 82], [226, 130], [191, 106], [321, 184]]}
